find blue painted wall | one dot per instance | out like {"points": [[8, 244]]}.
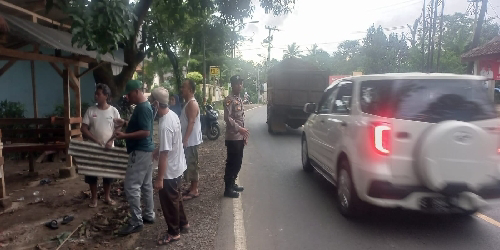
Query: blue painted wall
{"points": [[15, 85]]}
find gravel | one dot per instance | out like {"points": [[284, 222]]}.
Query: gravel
{"points": [[202, 212]]}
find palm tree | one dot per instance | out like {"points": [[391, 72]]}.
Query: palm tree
{"points": [[313, 50], [292, 51]]}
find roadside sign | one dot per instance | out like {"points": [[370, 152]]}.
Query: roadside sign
{"points": [[214, 71]]}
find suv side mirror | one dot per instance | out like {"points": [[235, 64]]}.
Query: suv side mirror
{"points": [[310, 108]]}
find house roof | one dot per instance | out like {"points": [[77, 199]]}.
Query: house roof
{"points": [[52, 38], [490, 48]]}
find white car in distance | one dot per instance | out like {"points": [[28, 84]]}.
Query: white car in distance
{"points": [[427, 142]]}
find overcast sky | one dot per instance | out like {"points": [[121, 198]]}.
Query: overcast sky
{"points": [[328, 22]]}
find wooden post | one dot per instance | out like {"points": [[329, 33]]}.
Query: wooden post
{"points": [[78, 97], [33, 86], [67, 171], [33, 82], [5, 202]]}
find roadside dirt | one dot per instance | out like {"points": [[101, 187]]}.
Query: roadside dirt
{"points": [[23, 227]]}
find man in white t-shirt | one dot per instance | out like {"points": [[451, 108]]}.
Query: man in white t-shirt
{"points": [[98, 126], [171, 166]]}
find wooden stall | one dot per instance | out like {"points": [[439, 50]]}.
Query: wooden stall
{"points": [[54, 133]]}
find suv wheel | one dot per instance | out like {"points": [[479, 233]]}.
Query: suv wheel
{"points": [[306, 163], [347, 199]]}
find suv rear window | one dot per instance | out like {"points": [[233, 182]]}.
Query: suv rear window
{"points": [[427, 100]]}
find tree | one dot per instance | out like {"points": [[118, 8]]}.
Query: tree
{"points": [[477, 31], [292, 51], [318, 57], [375, 48], [146, 27], [347, 58]]}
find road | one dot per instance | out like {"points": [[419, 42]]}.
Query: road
{"points": [[285, 208]]}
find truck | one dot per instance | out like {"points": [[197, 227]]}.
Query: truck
{"points": [[290, 85]]}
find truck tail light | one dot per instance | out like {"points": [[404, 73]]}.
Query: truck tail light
{"points": [[381, 137]]}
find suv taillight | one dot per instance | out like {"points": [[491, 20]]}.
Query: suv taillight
{"points": [[381, 136]]}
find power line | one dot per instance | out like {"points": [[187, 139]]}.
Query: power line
{"points": [[335, 42], [494, 10], [402, 3]]}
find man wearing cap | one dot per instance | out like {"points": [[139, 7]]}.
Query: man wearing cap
{"points": [[236, 136], [139, 176], [171, 165]]}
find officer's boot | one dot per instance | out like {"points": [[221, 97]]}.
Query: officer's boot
{"points": [[229, 192], [237, 188]]}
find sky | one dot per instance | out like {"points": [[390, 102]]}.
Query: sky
{"points": [[329, 22]]}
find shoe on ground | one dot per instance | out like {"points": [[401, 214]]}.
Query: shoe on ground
{"points": [[129, 229], [238, 188], [230, 193], [148, 221]]}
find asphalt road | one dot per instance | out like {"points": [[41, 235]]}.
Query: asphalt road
{"points": [[286, 208]]}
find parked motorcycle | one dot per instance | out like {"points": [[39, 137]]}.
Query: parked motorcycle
{"points": [[210, 124]]}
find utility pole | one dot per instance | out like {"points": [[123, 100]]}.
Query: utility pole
{"points": [[257, 84], [440, 38], [204, 71], [476, 8], [424, 24], [269, 39], [434, 22], [431, 14]]}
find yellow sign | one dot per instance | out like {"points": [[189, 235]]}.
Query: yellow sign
{"points": [[214, 71]]}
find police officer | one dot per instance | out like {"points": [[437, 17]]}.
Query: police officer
{"points": [[236, 136]]}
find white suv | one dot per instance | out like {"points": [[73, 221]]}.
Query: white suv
{"points": [[417, 141]]}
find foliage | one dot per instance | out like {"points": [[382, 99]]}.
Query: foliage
{"points": [[98, 25], [318, 57], [198, 94], [10, 109], [195, 76], [148, 74], [292, 51], [59, 109], [381, 53]]}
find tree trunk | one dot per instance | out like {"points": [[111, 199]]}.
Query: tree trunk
{"points": [[434, 22], [477, 33], [440, 38], [424, 25], [175, 65], [132, 55], [161, 76]]}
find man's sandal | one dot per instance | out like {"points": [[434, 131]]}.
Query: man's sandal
{"points": [[190, 196], [166, 239]]}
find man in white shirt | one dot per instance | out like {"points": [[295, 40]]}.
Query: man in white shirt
{"points": [[98, 126], [171, 166]]}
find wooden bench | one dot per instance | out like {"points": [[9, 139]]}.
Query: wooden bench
{"points": [[36, 135]]}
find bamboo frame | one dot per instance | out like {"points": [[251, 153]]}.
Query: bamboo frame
{"points": [[34, 15], [2, 176]]}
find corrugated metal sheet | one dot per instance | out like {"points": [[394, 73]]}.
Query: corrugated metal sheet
{"points": [[51, 38], [92, 159]]}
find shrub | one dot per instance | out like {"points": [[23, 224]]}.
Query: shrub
{"points": [[59, 109], [10, 109]]}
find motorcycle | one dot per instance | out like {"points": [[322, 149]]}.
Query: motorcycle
{"points": [[210, 124]]}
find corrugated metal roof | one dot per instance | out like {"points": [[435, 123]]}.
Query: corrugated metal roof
{"points": [[92, 159], [490, 48], [51, 38]]}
